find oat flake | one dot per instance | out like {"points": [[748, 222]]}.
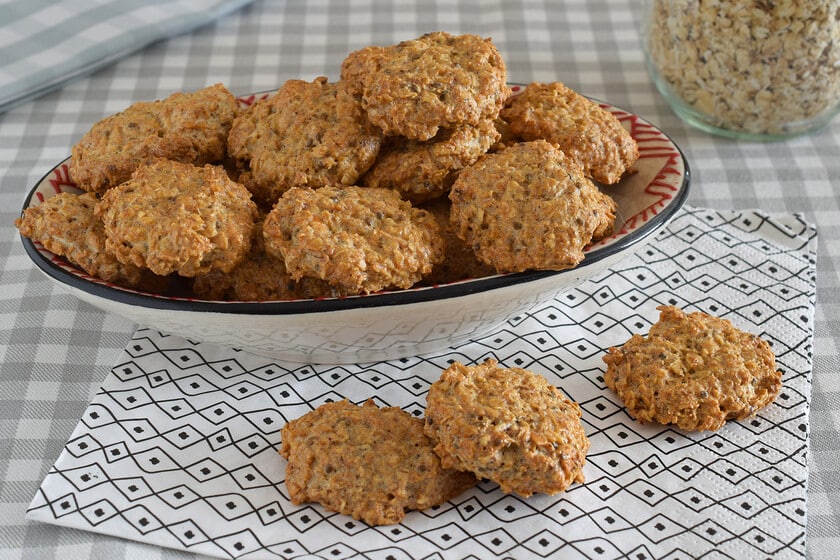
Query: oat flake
{"points": [[755, 66]]}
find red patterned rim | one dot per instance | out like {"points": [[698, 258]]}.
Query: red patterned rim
{"points": [[664, 194], [653, 145]]}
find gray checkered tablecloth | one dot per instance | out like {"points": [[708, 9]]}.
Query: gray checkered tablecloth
{"points": [[47, 44], [55, 352]]}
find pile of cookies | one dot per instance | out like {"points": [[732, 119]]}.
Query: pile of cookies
{"points": [[418, 166], [510, 426]]}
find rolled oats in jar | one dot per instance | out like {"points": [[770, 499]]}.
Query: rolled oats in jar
{"points": [[756, 69]]}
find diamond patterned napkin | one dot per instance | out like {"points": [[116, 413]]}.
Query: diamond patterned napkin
{"points": [[179, 446]]}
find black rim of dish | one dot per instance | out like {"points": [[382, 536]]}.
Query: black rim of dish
{"points": [[390, 298]]}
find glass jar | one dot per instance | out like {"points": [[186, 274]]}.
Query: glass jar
{"points": [[753, 69]]}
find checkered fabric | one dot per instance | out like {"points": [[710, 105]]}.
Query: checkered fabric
{"points": [[55, 352], [46, 44]]}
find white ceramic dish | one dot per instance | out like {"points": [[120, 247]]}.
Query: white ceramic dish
{"points": [[396, 324]]}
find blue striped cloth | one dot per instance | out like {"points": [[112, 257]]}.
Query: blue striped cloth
{"points": [[46, 43]]}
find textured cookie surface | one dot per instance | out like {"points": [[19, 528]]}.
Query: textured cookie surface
{"points": [[176, 217], [437, 80], [693, 370], [368, 462], [528, 207], [356, 238], [188, 127], [592, 136], [66, 225], [422, 171], [508, 425], [259, 277], [307, 133]]}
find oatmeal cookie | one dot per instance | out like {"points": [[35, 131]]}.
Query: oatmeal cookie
{"points": [[187, 127], [368, 462], [508, 425], [459, 261], [307, 133], [359, 239], [66, 225], [693, 370], [422, 171], [176, 217], [528, 207], [590, 135], [435, 81], [259, 277]]}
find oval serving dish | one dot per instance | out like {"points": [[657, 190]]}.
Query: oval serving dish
{"points": [[391, 324]]}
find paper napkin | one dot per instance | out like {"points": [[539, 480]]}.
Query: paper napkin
{"points": [[179, 448]]}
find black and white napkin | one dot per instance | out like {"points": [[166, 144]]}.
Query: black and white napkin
{"points": [[179, 447]]}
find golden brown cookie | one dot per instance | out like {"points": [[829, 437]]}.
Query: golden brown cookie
{"points": [[176, 217], [508, 425], [435, 81], [359, 239], [307, 133], [693, 370], [592, 136], [368, 462], [528, 207], [66, 225], [422, 171], [459, 261], [187, 127], [259, 277]]}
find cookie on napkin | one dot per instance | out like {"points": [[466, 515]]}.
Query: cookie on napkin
{"points": [[368, 462], [693, 370], [509, 425]]}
